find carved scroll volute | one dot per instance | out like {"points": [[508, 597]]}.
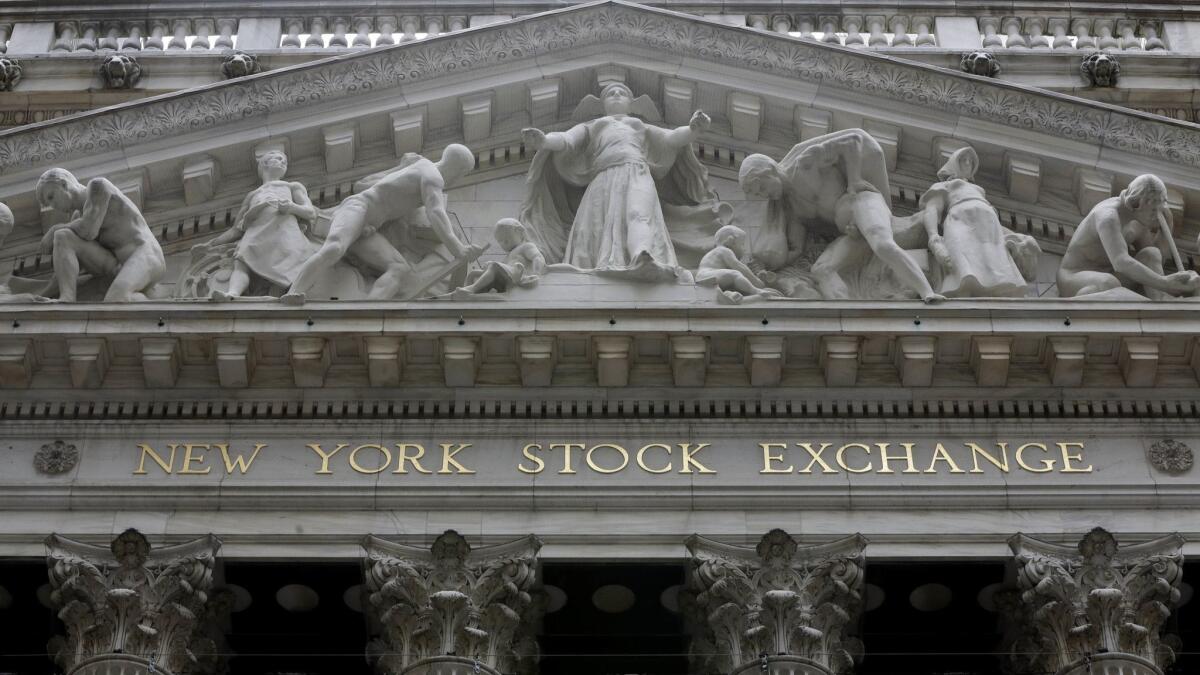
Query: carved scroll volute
{"points": [[450, 609], [128, 608], [1097, 602], [779, 605]]}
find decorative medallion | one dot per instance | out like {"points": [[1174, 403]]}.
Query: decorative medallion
{"points": [[1171, 457], [56, 458]]}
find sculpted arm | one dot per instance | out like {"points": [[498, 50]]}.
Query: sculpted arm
{"points": [[435, 209], [303, 208], [537, 261], [733, 263], [232, 234], [682, 136], [555, 141], [1108, 228], [87, 225]]}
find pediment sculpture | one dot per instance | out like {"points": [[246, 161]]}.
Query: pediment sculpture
{"points": [[618, 201]]}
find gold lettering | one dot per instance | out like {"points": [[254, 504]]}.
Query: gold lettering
{"points": [[189, 459], [567, 454], [1068, 458], [166, 466], [403, 458], [641, 461], [384, 454], [1001, 463], [1047, 464], [816, 458], [326, 456], [841, 457], [940, 455], [596, 467], [448, 458], [239, 462], [885, 458], [688, 460], [525, 452], [768, 458]]}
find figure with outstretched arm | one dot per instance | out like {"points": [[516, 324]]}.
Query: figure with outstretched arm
{"points": [[1118, 248], [838, 180]]}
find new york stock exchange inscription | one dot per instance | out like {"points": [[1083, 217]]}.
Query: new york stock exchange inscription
{"points": [[651, 458]]}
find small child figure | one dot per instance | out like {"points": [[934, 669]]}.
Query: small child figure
{"points": [[521, 267], [723, 267]]}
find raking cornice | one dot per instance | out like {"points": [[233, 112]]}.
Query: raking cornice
{"points": [[610, 22]]}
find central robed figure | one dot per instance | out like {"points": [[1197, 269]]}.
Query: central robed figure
{"points": [[618, 195]]}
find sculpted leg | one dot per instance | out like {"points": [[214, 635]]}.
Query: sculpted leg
{"points": [[138, 273], [1073, 283], [1152, 257], [378, 254], [344, 231], [873, 218], [70, 251], [840, 254], [239, 281]]}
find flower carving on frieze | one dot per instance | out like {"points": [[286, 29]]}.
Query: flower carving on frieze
{"points": [[1095, 598], [56, 458], [1171, 456]]}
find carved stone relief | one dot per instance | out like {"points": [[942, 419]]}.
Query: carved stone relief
{"points": [[777, 607], [10, 74], [1101, 69], [120, 71], [451, 608], [1095, 601], [239, 64], [980, 63], [1171, 456], [128, 606], [55, 458]]}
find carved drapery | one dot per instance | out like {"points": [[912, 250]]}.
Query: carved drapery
{"points": [[130, 609], [779, 606], [1095, 607], [451, 610]]}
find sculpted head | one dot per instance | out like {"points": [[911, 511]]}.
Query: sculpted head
{"points": [[617, 99], [59, 189], [130, 548], [1145, 194], [759, 176], [733, 238], [510, 233], [272, 165], [963, 163], [456, 162]]}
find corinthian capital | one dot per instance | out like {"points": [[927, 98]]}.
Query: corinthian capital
{"points": [[450, 609], [1096, 607], [777, 606], [130, 609]]}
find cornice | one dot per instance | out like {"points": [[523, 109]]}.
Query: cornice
{"points": [[610, 22]]}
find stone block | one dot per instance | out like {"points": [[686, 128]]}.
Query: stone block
{"points": [[273, 145], [384, 359], [460, 360], [543, 101], [18, 361], [1091, 187], [340, 142], [1138, 360], [310, 360], [476, 117], [34, 37], [1176, 202], [133, 184], [727, 19], [915, 357], [607, 74], [943, 147], [888, 137], [957, 32], [408, 130], [487, 19], [689, 360], [811, 122], [536, 359], [1181, 36], [1065, 359], [160, 361], [88, 360], [260, 33], [612, 359], [745, 115], [235, 361], [990, 357], [1023, 177], [200, 177], [839, 360], [678, 100], [764, 360]]}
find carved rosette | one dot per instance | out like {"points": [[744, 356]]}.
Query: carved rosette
{"points": [[132, 610], [1171, 457], [451, 610], [1095, 607], [55, 458], [778, 607]]}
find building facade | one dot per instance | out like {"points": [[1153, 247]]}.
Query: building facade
{"points": [[432, 338]]}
